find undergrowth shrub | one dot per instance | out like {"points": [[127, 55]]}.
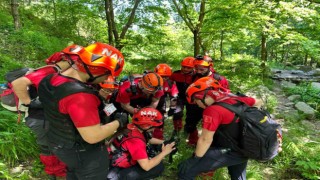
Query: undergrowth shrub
{"points": [[300, 157], [242, 71], [17, 143]]}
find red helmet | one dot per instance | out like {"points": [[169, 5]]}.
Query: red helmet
{"points": [[188, 62], [100, 57], [67, 54], [201, 85], [109, 83], [151, 82], [163, 70], [147, 118]]}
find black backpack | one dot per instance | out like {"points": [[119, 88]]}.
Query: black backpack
{"points": [[259, 132]]}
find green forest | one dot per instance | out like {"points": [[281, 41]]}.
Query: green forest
{"points": [[246, 39]]}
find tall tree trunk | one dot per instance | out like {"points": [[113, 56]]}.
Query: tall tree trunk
{"points": [[108, 16], [305, 59], [263, 50], [195, 28], [196, 42], [54, 12], [221, 45], [15, 14], [311, 61], [282, 54]]}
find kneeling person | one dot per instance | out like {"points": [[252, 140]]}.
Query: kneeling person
{"points": [[129, 149]]}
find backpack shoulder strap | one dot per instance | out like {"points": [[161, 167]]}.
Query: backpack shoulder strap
{"points": [[237, 108], [125, 133], [15, 74], [133, 86]]}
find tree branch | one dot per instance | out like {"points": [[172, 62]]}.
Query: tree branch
{"points": [[184, 16], [130, 20]]}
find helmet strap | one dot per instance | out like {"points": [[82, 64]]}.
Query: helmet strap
{"points": [[91, 77], [203, 100], [147, 135]]}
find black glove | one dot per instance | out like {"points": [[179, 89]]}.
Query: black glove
{"points": [[34, 103], [188, 164], [122, 118], [153, 150]]}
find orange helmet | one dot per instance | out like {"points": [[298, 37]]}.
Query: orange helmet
{"points": [[203, 61], [147, 118], [67, 54], [151, 81], [202, 84], [188, 62], [163, 70], [72, 49], [100, 57], [109, 83]]}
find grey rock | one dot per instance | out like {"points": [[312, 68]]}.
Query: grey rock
{"points": [[287, 84], [308, 124], [306, 109], [294, 97]]}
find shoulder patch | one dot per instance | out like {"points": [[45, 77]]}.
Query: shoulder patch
{"points": [[207, 119]]}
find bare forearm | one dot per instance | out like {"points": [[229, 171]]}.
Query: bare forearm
{"points": [[153, 162], [110, 128], [154, 102], [202, 146], [20, 87], [97, 133], [128, 108], [155, 141]]}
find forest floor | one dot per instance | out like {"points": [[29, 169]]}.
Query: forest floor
{"points": [[284, 106]]}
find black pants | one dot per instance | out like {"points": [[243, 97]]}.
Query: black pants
{"points": [[216, 158], [91, 163], [39, 127], [193, 117], [135, 173]]}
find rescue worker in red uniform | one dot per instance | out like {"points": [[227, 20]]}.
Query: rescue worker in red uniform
{"points": [[76, 135], [131, 160], [171, 91], [182, 78], [26, 90], [204, 68], [141, 92], [108, 87], [213, 151]]}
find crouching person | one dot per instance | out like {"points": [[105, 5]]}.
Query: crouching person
{"points": [[129, 148], [214, 151]]}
